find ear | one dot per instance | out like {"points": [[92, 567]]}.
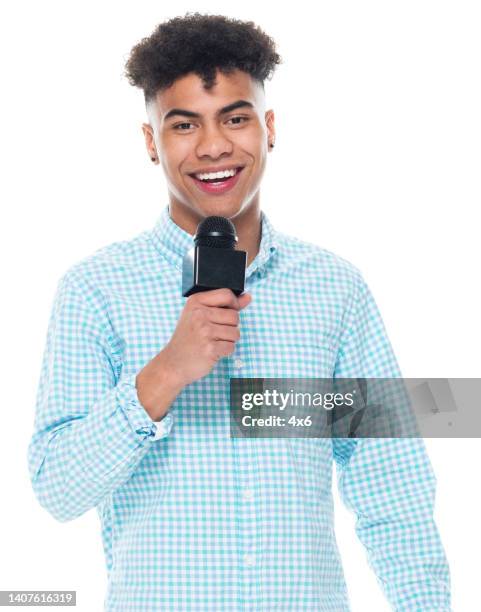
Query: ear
{"points": [[271, 132], [150, 142]]}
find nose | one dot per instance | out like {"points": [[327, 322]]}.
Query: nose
{"points": [[213, 142]]}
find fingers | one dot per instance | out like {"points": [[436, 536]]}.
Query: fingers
{"points": [[224, 316], [224, 332], [223, 349], [221, 298]]}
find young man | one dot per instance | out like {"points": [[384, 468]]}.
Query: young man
{"points": [[133, 403]]}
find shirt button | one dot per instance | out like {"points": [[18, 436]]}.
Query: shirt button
{"points": [[249, 560], [238, 364], [248, 494]]}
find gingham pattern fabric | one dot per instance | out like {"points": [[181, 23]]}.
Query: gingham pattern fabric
{"points": [[198, 521]]}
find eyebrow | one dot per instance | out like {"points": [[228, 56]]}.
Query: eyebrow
{"points": [[221, 111]]}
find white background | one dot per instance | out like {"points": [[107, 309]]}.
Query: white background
{"points": [[377, 158]]}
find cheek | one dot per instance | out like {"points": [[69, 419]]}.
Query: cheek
{"points": [[172, 166], [174, 151], [167, 167], [256, 154], [251, 138]]}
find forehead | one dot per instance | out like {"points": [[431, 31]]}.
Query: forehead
{"points": [[188, 93]]}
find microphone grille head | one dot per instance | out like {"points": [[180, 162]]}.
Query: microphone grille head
{"points": [[217, 232]]}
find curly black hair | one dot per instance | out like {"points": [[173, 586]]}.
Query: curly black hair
{"points": [[201, 44]]}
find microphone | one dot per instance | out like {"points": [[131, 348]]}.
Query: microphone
{"points": [[213, 263]]}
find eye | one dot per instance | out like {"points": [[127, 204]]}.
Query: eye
{"points": [[238, 117], [181, 124], [183, 127]]}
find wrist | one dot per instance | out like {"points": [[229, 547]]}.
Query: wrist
{"points": [[157, 386], [168, 371]]}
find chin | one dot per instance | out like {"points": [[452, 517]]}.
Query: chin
{"points": [[220, 208]]}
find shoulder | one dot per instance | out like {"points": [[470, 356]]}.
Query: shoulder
{"points": [[315, 261], [112, 265]]}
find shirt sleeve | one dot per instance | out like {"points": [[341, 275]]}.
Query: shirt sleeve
{"points": [[389, 483], [90, 430]]}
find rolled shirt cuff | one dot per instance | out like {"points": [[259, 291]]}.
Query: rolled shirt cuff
{"points": [[138, 417]]}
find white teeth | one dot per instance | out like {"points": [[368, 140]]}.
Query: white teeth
{"points": [[216, 175]]}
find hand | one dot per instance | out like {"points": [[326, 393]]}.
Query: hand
{"points": [[207, 329]]}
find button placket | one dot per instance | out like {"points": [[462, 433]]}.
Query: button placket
{"points": [[248, 494], [245, 464]]}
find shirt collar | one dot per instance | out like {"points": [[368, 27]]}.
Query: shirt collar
{"points": [[173, 242]]}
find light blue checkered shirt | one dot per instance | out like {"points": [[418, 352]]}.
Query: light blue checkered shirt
{"points": [[194, 520]]}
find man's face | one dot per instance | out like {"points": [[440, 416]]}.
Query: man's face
{"points": [[212, 140]]}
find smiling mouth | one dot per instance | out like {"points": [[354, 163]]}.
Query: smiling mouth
{"points": [[238, 169], [217, 185]]}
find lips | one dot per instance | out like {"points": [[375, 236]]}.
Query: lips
{"points": [[219, 187]]}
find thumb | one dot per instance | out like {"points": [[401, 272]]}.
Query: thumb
{"points": [[244, 300]]}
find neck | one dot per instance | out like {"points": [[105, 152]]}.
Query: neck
{"points": [[247, 224]]}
